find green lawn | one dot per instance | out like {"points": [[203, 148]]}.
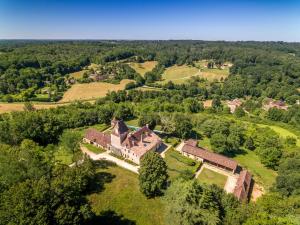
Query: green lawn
{"points": [[261, 174], [179, 74], [281, 132], [63, 156], [178, 164], [122, 196], [210, 177], [93, 148], [134, 122]]}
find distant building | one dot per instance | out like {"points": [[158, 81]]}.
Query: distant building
{"points": [[270, 103], [234, 104], [122, 142]]}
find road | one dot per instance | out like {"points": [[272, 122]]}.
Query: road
{"points": [[108, 157]]}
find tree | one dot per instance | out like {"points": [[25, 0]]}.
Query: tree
{"points": [[189, 203], [239, 112], [249, 144], [288, 179], [183, 126], [216, 103], [28, 106], [70, 140], [149, 119], [153, 174], [192, 105]]}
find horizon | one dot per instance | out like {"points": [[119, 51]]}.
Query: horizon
{"points": [[229, 20]]}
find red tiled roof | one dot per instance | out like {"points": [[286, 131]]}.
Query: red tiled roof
{"points": [[98, 137], [242, 188], [191, 142], [210, 156]]}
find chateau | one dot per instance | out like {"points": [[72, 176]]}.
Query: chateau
{"points": [[121, 141]]}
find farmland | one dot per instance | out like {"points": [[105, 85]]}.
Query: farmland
{"points": [[179, 74], [11, 107], [144, 67], [213, 73], [91, 90]]}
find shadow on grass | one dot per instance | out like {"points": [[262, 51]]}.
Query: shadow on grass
{"points": [[110, 217], [102, 177]]}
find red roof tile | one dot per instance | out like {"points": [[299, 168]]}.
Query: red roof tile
{"points": [[210, 156], [98, 137], [242, 188]]}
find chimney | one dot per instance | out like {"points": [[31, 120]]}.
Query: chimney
{"points": [[147, 125], [142, 137]]}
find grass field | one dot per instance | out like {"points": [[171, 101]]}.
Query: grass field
{"points": [[210, 177], [93, 148], [144, 67], [179, 164], [264, 176], [78, 74], [91, 90], [63, 156], [10, 107], [121, 195], [179, 74], [281, 132], [211, 74]]}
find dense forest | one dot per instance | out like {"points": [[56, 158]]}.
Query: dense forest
{"points": [[269, 69], [36, 188]]}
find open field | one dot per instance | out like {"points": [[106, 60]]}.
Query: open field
{"points": [[262, 175], [144, 67], [178, 164], [211, 74], [121, 194], [78, 74], [210, 177], [282, 132], [179, 74], [11, 107], [91, 90]]}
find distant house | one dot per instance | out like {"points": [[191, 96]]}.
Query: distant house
{"points": [[123, 142], [234, 104], [270, 103], [243, 186], [191, 150]]}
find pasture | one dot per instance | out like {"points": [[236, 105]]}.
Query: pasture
{"points": [[12, 107], [91, 90], [78, 74], [214, 73], [144, 67], [179, 74]]}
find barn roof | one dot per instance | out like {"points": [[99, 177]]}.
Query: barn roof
{"points": [[98, 137], [210, 156], [242, 187]]}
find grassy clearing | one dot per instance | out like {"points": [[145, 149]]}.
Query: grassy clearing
{"points": [[179, 74], [99, 127], [78, 74], [133, 122], [210, 177], [91, 90], [144, 67], [63, 156], [179, 164], [93, 148], [145, 88], [11, 107], [211, 74], [282, 132], [121, 194], [264, 176]]}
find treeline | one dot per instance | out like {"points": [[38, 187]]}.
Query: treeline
{"points": [[269, 69]]}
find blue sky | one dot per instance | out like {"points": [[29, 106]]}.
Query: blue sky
{"points": [[277, 20]]}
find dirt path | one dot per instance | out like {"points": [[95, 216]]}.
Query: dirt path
{"points": [[106, 156]]}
